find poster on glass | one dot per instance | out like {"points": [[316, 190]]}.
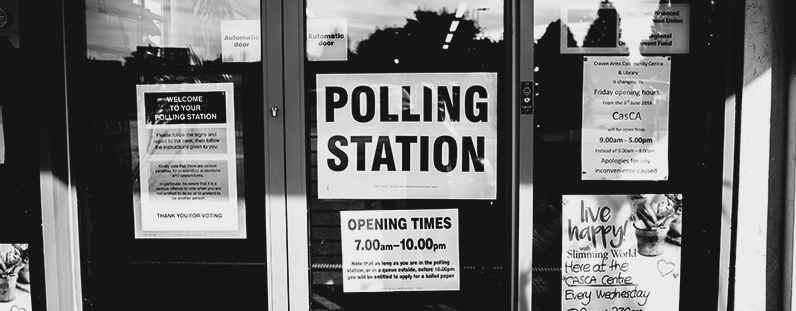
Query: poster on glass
{"points": [[621, 252]]}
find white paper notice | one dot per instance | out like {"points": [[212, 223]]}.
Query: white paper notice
{"points": [[327, 39], [240, 41], [403, 136], [669, 31], [612, 261], [187, 162], [625, 118], [404, 250]]}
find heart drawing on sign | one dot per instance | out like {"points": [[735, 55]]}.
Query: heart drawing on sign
{"points": [[665, 267], [15, 308]]}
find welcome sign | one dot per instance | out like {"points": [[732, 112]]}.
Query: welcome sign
{"points": [[186, 160], [400, 136]]}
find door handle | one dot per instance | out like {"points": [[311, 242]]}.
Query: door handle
{"points": [[274, 110]]}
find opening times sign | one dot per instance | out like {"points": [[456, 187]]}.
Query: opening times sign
{"points": [[403, 250], [407, 136], [187, 162], [625, 118], [613, 261]]}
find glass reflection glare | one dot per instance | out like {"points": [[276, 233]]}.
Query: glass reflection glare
{"points": [[115, 28]]}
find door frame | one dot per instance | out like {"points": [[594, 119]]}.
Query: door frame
{"points": [[521, 165], [59, 192], [275, 196]]}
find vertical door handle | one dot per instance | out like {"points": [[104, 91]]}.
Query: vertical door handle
{"points": [[274, 110]]}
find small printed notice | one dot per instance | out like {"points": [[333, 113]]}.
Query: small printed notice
{"points": [[407, 136], [603, 33], [240, 41], [621, 252], [2, 139], [187, 162], [327, 39], [625, 118], [403, 250], [670, 29]]}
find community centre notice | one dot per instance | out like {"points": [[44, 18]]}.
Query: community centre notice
{"points": [[401, 250], [621, 252], [187, 162], [407, 136], [625, 118]]}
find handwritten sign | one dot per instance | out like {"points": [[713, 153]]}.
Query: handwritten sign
{"points": [[625, 118], [611, 261]]}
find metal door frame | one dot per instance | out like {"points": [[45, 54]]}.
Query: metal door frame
{"points": [[60, 210], [519, 34]]}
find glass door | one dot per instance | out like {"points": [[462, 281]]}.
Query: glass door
{"points": [[22, 260], [628, 131], [404, 125], [177, 143]]}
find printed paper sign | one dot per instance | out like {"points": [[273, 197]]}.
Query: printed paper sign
{"points": [[187, 162], [625, 118], [404, 250], [327, 39], [240, 41], [613, 259], [407, 136], [600, 32]]}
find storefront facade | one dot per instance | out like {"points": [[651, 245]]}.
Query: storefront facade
{"points": [[398, 155]]}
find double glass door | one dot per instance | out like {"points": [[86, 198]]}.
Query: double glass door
{"points": [[361, 155], [227, 149], [170, 138], [406, 133]]}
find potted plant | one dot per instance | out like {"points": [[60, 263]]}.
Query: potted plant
{"points": [[10, 264], [652, 225], [676, 227], [24, 273]]}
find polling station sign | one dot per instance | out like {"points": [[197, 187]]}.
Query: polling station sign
{"points": [[401, 250], [407, 136], [186, 162]]}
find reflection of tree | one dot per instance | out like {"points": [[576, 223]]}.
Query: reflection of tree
{"points": [[210, 13], [558, 80], [557, 109], [418, 45], [602, 32]]}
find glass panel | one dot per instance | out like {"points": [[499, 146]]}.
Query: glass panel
{"points": [[433, 180], [116, 28], [169, 105], [22, 281], [627, 127]]}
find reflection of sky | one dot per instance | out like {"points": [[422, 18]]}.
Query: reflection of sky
{"points": [[548, 11], [365, 16]]}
